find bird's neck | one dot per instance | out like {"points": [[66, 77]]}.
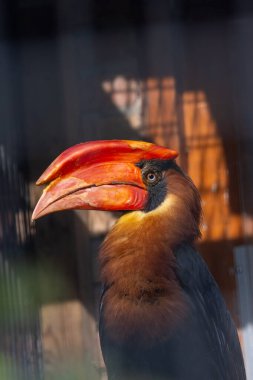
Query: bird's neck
{"points": [[138, 269]]}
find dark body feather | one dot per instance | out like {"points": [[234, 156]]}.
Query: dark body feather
{"points": [[204, 347]]}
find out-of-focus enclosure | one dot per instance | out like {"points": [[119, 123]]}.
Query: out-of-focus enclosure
{"points": [[176, 72]]}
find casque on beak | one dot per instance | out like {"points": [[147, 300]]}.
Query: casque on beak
{"points": [[99, 175]]}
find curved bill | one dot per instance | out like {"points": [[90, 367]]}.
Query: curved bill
{"points": [[98, 175], [107, 186]]}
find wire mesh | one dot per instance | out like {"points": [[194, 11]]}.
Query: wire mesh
{"points": [[20, 344]]}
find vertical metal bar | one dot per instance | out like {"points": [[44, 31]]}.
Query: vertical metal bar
{"points": [[244, 279]]}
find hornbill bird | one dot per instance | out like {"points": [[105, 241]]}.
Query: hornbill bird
{"points": [[162, 315]]}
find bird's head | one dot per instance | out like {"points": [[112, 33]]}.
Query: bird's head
{"points": [[114, 175]]}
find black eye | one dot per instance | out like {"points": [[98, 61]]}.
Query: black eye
{"points": [[151, 177]]}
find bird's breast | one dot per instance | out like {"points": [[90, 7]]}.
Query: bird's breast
{"points": [[143, 298], [143, 313]]}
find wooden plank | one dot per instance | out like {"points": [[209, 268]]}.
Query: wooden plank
{"points": [[67, 333]]}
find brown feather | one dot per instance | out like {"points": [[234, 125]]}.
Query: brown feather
{"points": [[144, 300]]}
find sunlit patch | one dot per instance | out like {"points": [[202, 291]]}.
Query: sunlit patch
{"points": [[185, 121], [127, 96]]}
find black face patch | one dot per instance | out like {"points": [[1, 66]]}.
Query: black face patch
{"points": [[153, 175]]}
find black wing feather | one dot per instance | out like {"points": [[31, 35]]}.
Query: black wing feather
{"points": [[212, 314]]}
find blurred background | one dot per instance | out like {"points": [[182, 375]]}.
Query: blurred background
{"points": [[175, 72]]}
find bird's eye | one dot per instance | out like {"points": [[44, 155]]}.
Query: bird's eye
{"points": [[151, 177]]}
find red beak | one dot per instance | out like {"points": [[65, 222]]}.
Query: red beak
{"points": [[98, 175]]}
